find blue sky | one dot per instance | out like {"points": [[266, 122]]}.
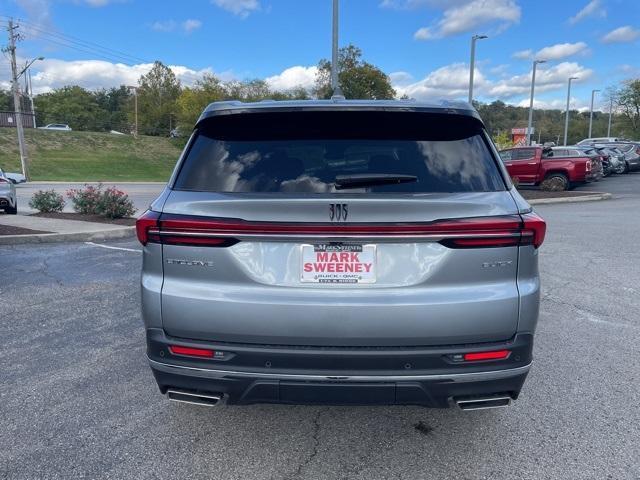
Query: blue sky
{"points": [[422, 44]]}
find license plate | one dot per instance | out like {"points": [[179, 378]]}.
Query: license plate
{"points": [[338, 263]]}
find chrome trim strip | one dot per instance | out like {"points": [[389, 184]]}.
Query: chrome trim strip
{"points": [[452, 377]]}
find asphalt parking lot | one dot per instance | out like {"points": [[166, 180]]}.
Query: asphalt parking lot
{"points": [[78, 400]]}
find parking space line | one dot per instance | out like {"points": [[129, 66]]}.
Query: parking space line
{"points": [[113, 248]]}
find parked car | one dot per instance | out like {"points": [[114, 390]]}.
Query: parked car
{"points": [[295, 258], [631, 151], [57, 126], [554, 166], [15, 177], [614, 157], [588, 141], [8, 199], [597, 156]]}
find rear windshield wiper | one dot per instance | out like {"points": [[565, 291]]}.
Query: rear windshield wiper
{"points": [[370, 179]]}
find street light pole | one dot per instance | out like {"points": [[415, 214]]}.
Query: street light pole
{"points": [[533, 85], [610, 113], [566, 115], [472, 63], [593, 94], [335, 88], [135, 108]]}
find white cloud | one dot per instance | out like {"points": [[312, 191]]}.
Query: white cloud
{"points": [[562, 50], [191, 24], [461, 17], [523, 54], [292, 77], [241, 8], [556, 104], [622, 35], [547, 79], [164, 26], [400, 78], [450, 81], [592, 9], [93, 74]]}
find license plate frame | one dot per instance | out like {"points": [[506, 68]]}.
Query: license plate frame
{"points": [[338, 263]]}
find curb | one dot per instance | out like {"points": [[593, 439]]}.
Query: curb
{"points": [[584, 198], [116, 233]]}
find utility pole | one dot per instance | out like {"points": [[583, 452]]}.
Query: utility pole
{"points": [[335, 87], [533, 85], [593, 94], [11, 49], [33, 110], [610, 113], [472, 63], [566, 115]]}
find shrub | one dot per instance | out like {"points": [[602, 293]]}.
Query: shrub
{"points": [[47, 201], [115, 203], [86, 200]]}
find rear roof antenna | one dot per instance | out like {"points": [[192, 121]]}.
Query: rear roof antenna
{"points": [[335, 87]]}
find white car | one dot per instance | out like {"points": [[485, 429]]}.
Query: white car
{"points": [[15, 177], [8, 199], [57, 126]]}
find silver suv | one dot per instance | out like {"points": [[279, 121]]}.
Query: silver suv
{"points": [[341, 252]]}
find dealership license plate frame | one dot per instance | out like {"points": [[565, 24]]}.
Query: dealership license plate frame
{"points": [[369, 251]]}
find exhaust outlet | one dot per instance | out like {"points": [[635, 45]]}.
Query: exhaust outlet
{"points": [[482, 403], [205, 399]]}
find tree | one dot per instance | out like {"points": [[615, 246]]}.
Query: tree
{"points": [[116, 103], [72, 105], [193, 100], [357, 79], [157, 94], [627, 100], [6, 101]]}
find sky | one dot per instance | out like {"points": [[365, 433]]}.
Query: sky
{"points": [[423, 45]]}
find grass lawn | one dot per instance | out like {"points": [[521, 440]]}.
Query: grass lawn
{"points": [[90, 156]]}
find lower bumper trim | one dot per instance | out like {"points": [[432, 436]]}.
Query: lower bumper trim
{"points": [[448, 377]]}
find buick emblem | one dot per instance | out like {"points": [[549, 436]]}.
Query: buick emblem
{"points": [[338, 212]]}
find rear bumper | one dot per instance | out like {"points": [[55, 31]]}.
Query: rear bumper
{"points": [[361, 376]]}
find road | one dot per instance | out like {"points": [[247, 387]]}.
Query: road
{"points": [[140, 193], [78, 399]]}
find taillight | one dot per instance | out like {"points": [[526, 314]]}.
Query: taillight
{"points": [[147, 221], [533, 230], [191, 352], [4, 180], [589, 165], [479, 232]]}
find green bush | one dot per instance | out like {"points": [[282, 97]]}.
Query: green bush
{"points": [[115, 203], [86, 200], [47, 201]]}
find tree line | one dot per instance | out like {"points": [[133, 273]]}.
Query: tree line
{"points": [[166, 106]]}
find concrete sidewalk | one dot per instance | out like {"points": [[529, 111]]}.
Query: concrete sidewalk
{"points": [[61, 230]]}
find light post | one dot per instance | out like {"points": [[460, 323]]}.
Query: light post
{"points": [[566, 115], [135, 108], [533, 85], [593, 94], [472, 63], [610, 113], [335, 88]]}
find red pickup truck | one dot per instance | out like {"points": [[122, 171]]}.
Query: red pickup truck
{"points": [[535, 165]]}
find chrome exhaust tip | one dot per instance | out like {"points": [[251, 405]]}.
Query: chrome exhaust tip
{"points": [[483, 403], [205, 399]]}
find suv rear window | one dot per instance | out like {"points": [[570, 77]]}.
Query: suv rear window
{"points": [[334, 152]]}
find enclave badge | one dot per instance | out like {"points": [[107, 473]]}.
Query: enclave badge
{"points": [[338, 212]]}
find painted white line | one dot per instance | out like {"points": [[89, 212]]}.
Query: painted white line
{"points": [[113, 248]]}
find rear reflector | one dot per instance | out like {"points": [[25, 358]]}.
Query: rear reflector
{"points": [[191, 352], [477, 356]]}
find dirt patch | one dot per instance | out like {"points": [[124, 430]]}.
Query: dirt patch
{"points": [[538, 194], [9, 230], [87, 218]]}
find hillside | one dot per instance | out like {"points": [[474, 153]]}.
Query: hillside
{"points": [[90, 156]]}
